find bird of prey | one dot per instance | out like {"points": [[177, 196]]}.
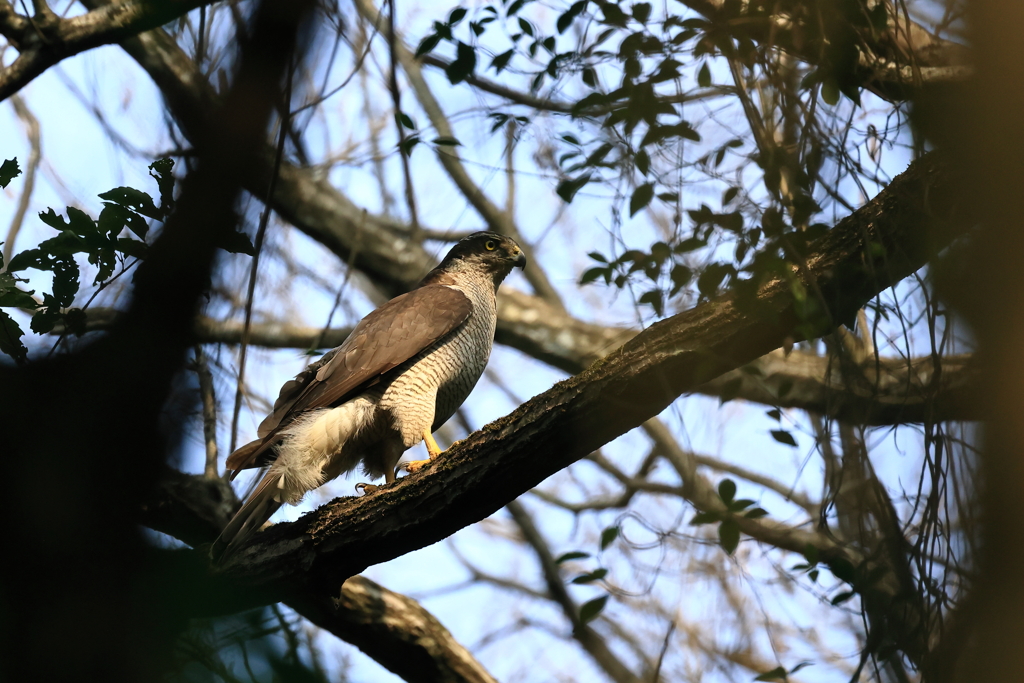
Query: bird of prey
{"points": [[402, 372]]}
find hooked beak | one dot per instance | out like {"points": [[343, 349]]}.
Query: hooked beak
{"points": [[520, 260]]}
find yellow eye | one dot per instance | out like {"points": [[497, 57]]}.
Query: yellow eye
{"points": [[489, 245]]}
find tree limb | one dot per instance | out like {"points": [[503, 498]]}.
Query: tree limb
{"points": [[577, 416], [47, 39], [389, 627]]}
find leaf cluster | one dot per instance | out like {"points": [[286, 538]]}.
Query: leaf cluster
{"points": [[592, 608], [113, 241], [728, 529]]}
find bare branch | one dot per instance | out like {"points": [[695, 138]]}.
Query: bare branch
{"points": [[34, 157], [585, 635], [498, 220]]}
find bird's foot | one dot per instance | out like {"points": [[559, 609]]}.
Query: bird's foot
{"points": [[415, 465], [363, 489]]}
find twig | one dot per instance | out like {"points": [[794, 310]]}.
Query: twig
{"points": [[209, 400], [403, 153], [258, 246]]}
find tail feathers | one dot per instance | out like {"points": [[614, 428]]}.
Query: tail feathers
{"points": [[257, 509]]}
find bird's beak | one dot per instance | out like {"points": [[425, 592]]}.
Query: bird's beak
{"points": [[520, 261]]}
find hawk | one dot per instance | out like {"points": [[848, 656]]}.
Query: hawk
{"points": [[402, 372]]}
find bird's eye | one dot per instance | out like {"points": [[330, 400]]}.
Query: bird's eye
{"points": [[489, 245]]}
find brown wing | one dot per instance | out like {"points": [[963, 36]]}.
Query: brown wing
{"points": [[381, 341]]}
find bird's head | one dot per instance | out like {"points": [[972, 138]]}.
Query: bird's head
{"points": [[486, 252]]}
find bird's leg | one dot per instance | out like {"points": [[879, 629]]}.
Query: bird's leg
{"points": [[433, 450]]}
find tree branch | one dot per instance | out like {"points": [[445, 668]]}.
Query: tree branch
{"points": [[50, 39], [584, 634], [389, 627], [577, 416], [383, 250]]}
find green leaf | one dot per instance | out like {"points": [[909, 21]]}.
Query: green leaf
{"points": [[456, 16], [642, 161], [653, 298], [81, 223], [641, 197], [590, 577], [44, 321], [842, 597], [114, 217], [130, 247], [811, 553], [608, 536], [843, 570], [782, 436], [406, 121], [162, 171], [729, 535], [428, 44], [16, 298], [642, 12], [727, 490], [830, 91], [597, 256], [236, 243], [10, 338], [65, 280], [740, 505], [133, 199], [410, 142], [704, 76], [464, 64], [574, 555], [590, 609], [592, 274], [30, 258], [681, 276], [568, 188], [705, 518], [775, 414], [776, 674], [501, 61], [446, 141], [567, 17], [9, 170], [756, 513]]}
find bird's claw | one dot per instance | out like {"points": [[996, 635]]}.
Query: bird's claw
{"points": [[414, 466], [363, 489]]}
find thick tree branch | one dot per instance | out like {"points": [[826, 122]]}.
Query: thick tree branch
{"points": [[47, 39], [635, 383], [389, 627]]}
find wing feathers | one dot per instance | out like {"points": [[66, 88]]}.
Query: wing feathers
{"points": [[382, 341]]}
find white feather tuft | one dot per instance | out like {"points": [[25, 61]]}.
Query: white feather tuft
{"points": [[311, 442]]}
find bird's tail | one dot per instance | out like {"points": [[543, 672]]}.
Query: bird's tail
{"points": [[258, 508]]}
